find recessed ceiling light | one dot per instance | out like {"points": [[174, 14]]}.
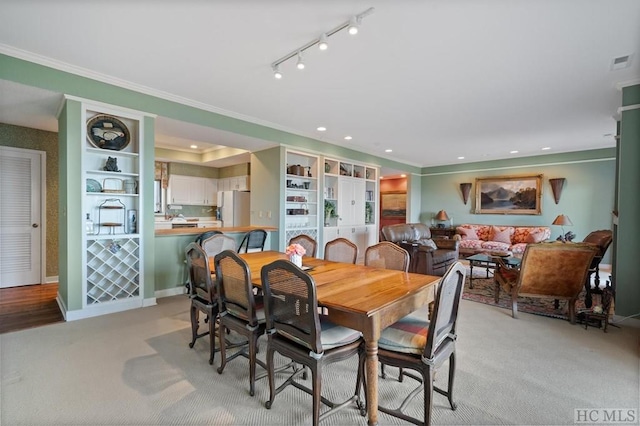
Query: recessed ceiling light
{"points": [[513, 152], [194, 146], [321, 129], [388, 150], [460, 158], [546, 148], [403, 175], [347, 138]]}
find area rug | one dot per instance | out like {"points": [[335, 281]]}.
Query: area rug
{"points": [[483, 291]]}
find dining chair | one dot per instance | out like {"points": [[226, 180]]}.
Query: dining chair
{"points": [[341, 250], [240, 310], [387, 255], [253, 241], [200, 238], [310, 245], [202, 295], [218, 243], [296, 331], [423, 343]]}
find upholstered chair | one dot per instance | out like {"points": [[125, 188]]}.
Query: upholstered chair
{"points": [[601, 239], [555, 270]]}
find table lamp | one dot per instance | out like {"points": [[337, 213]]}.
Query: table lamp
{"points": [[442, 217], [563, 220]]}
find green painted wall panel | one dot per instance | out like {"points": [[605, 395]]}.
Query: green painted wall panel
{"points": [[627, 248], [267, 191], [587, 198], [631, 95], [147, 176]]}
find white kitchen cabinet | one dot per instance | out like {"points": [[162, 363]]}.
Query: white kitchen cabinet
{"points": [[235, 183], [351, 201], [192, 190], [353, 191], [209, 224]]}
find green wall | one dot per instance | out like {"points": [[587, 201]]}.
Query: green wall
{"points": [[627, 248], [40, 140], [587, 197], [266, 190]]}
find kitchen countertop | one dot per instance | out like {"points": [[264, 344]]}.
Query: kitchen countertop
{"points": [[197, 231]]}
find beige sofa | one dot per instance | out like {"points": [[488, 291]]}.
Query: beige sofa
{"points": [[491, 238]]}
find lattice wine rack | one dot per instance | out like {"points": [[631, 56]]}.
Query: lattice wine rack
{"points": [[112, 269]]}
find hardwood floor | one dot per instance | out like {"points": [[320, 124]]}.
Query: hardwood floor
{"points": [[28, 306]]}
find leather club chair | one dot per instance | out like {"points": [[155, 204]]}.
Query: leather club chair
{"points": [[428, 256]]}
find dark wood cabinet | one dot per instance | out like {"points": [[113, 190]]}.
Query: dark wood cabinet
{"points": [[442, 232]]}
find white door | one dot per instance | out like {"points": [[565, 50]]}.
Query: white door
{"points": [[21, 228]]}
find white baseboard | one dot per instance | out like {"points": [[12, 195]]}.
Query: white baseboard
{"points": [[175, 291], [50, 280], [103, 309]]}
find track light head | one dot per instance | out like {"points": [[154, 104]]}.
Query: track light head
{"points": [[322, 43], [354, 25], [276, 72], [300, 64]]}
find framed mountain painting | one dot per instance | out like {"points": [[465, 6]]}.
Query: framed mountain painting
{"points": [[509, 195]]}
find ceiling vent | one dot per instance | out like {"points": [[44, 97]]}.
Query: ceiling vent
{"points": [[621, 62]]}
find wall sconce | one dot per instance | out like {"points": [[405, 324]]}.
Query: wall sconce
{"points": [[465, 188], [556, 188]]}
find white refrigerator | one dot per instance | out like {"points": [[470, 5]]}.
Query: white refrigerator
{"points": [[233, 208]]}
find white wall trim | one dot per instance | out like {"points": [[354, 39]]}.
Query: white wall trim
{"points": [[100, 309], [84, 72], [628, 83], [595, 160], [628, 108], [51, 280], [151, 301], [170, 292]]}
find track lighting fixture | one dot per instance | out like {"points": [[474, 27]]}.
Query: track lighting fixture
{"points": [[276, 72], [352, 27], [322, 44], [354, 24], [300, 64]]}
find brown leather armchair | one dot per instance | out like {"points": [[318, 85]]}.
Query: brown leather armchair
{"points": [[548, 270], [601, 239], [428, 256]]}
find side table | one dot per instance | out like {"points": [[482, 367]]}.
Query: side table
{"points": [[442, 232]]}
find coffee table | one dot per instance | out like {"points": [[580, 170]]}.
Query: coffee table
{"points": [[489, 262]]}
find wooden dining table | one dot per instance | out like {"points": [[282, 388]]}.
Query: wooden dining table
{"points": [[364, 298]]}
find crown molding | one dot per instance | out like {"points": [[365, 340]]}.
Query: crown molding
{"points": [[103, 78]]}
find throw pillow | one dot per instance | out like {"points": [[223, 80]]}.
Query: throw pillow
{"points": [[535, 237], [467, 233], [501, 236]]}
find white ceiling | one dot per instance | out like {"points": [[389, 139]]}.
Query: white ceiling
{"points": [[432, 80]]}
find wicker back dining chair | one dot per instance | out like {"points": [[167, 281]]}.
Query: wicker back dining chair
{"points": [[423, 345], [202, 295], [217, 244], [296, 331], [310, 245], [341, 250], [387, 255], [239, 310], [200, 238]]}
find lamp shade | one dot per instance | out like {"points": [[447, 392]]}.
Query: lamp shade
{"points": [[562, 220], [442, 215]]}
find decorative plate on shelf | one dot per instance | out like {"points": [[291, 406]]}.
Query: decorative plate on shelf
{"points": [[107, 132], [93, 186]]}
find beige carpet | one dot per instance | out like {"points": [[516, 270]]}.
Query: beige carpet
{"points": [[135, 368]]}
